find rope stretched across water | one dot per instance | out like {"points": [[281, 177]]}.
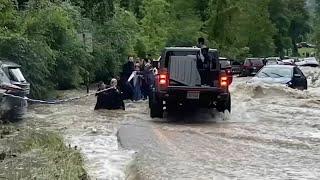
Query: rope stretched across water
{"points": [[55, 101]]}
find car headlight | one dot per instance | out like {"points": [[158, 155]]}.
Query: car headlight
{"points": [[289, 83]]}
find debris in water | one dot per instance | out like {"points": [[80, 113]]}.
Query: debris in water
{"points": [[2, 156]]}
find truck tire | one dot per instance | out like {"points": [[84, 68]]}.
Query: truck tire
{"points": [[224, 105], [156, 107], [305, 86]]}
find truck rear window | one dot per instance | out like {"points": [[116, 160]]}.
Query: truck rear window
{"points": [[213, 56]]}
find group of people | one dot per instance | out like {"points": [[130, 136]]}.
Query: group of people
{"points": [[135, 83], [109, 97], [137, 78]]}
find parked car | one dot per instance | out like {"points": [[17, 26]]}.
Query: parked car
{"points": [[189, 77], [311, 61], [290, 76], [288, 61], [273, 61], [251, 66], [236, 67], [12, 82], [225, 65]]}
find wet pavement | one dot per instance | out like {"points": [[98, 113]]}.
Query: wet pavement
{"points": [[273, 132]]}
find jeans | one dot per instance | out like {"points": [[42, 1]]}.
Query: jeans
{"points": [[137, 93]]}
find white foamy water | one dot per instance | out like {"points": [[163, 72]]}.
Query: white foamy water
{"points": [[94, 133], [103, 157]]}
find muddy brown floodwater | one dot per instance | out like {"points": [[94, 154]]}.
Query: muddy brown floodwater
{"points": [[273, 132], [93, 132]]}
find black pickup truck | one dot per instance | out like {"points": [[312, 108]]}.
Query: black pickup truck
{"points": [[189, 76]]}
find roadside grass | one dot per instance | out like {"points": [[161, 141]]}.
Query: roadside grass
{"points": [[37, 154]]}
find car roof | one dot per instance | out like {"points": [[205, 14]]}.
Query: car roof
{"points": [[273, 58], [6, 63], [187, 49], [280, 66], [254, 59]]}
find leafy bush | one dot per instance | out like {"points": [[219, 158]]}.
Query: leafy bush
{"points": [[36, 59]]}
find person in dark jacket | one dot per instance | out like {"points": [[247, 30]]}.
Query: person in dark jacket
{"points": [[113, 99], [125, 87], [100, 96], [128, 68], [148, 80]]}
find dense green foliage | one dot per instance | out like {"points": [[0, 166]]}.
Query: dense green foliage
{"points": [[43, 35]]}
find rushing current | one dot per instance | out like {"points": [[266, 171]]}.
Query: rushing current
{"points": [[273, 132]]}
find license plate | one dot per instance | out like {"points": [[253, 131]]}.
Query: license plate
{"points": [[193, 95]]}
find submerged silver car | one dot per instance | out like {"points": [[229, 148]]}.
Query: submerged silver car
{"points": [[12, 82], [288, 75]]}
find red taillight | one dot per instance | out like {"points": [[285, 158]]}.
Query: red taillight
{"points": [[224, 81], [163, 79]]}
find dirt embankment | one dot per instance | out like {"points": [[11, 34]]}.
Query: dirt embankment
{"points": [[28, 153]]}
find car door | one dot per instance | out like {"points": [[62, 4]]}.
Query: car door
{"points": [[299, 80]]}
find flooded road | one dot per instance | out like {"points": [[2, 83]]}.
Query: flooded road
{"points": [[94, 133], [272, 133]]}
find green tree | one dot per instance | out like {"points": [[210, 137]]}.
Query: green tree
{"points": [[155, 25], [316, 26], [186, 23], [299, 25], [259, 28], [52, 25], [36, 59], [8, 16], [202, 9], [225, 27], [97, 10], [280, 17], [113, 42]]}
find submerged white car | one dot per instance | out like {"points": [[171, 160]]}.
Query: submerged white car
{"points": [[311, 61]]}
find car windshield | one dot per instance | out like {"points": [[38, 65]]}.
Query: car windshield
{"points": [[275, 72], [225, 63], [16, 75]]}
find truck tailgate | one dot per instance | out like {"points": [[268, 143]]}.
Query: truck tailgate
{"points": [[194, 88]]}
